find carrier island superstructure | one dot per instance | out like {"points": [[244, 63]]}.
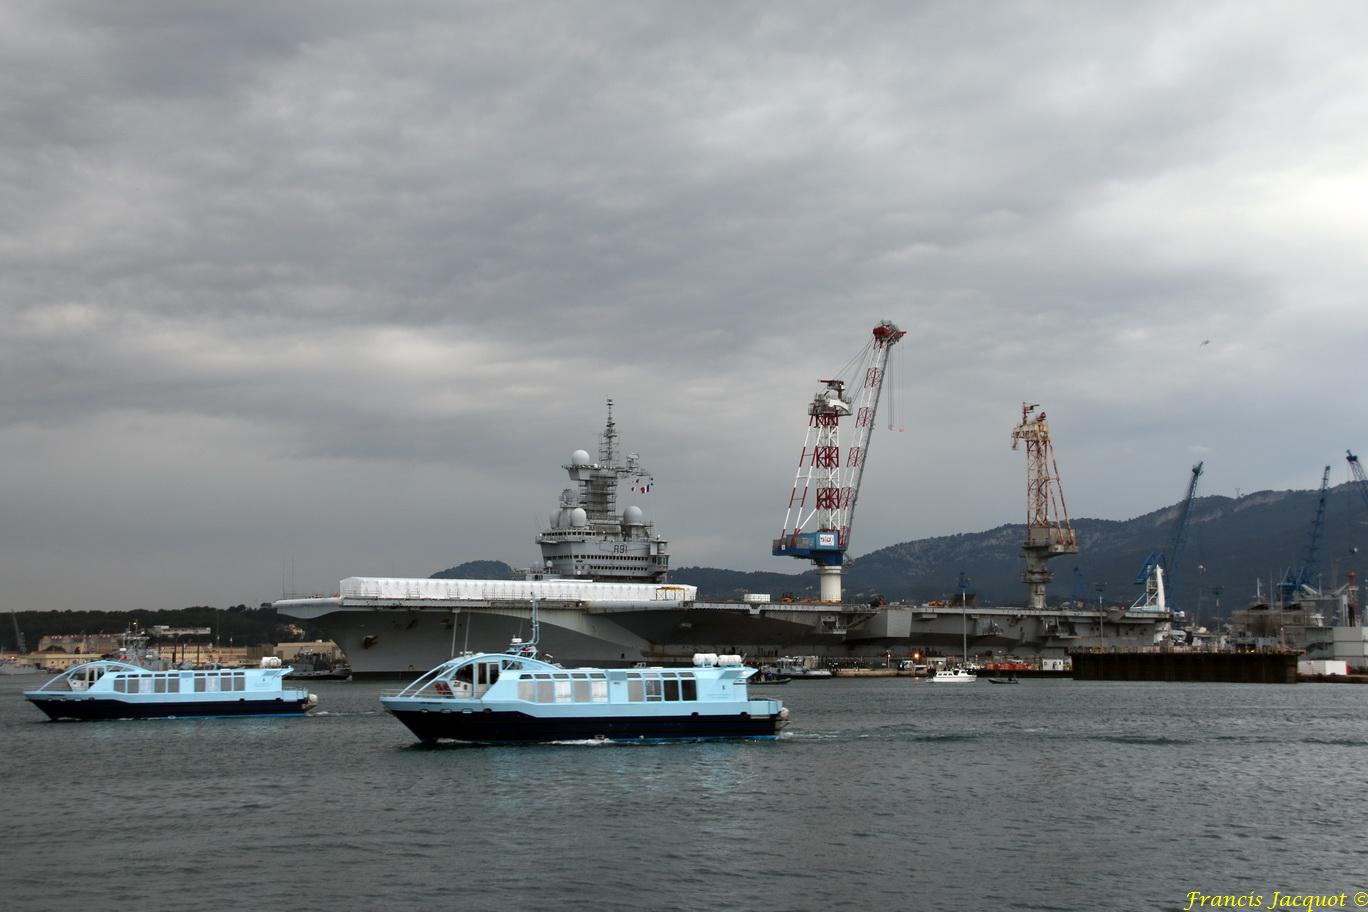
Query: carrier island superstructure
{"points": [[603, 598]]}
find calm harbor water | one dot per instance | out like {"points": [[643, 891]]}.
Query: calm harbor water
{"points": [[884, 793]]}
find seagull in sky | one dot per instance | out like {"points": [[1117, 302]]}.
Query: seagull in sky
{"points": [[1205, 342]]}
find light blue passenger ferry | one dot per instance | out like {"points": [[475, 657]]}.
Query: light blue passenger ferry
{"points": [[128, 689], [514, 696]]}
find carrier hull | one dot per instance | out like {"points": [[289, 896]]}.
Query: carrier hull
{"points": [[402, 638]]}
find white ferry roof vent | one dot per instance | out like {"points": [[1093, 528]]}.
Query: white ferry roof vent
{"points": [[270, 661], [729, 660], [705, 659]]}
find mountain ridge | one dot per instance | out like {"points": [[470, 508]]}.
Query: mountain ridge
{"points": [[1231, 543]]}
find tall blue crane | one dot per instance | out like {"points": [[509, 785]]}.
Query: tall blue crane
{"points": [[1169, 560], [1291, 585]]}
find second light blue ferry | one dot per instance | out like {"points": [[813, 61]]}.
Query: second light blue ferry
{"points": [[134, 686]]}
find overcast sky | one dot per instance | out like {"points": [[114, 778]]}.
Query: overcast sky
{"points": [[293, 292]]}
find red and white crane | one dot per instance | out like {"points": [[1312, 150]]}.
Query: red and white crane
{"points": [[826, 486], [1049, 532]]}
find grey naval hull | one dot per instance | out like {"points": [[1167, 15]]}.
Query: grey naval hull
{"points": [[387, 638]]}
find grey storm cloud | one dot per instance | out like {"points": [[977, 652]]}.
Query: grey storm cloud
{"points": [[338, 287]]}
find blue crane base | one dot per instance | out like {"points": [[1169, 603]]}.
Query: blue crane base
{"points": [[819, 547]]}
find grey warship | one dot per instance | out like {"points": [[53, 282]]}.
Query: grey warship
{"points": [[604, 598]]}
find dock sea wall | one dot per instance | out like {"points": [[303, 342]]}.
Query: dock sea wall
{"points": [[1271, 667]]}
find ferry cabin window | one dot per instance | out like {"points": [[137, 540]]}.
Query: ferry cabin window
{"points": [[527, 690], [654, 690], [635, 690]]}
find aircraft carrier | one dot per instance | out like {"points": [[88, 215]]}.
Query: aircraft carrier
{"points": [[603, 599]]}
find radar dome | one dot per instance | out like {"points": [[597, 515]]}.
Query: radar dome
{"points": [[632, 516], [578, 518], [579, 458]]}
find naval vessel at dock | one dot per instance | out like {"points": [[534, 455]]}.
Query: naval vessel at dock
{"points": [[603, 599]]}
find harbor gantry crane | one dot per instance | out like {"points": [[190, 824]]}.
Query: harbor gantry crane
{"points": [[1167, 560], [822, 504], [1049, 533], [1291, 587]]}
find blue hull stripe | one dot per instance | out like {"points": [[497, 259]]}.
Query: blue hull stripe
{"points": [[519, 727], [93, 709]]}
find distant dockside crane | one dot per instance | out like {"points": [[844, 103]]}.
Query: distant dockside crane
{"points": [[1049, 532], [821, 506], [1165, 561], [1360, 480], [1291, 587]]}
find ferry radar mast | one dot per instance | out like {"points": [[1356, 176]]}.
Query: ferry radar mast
{"points": [[821, 506]]}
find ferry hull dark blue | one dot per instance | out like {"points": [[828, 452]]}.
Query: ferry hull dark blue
{"points": [[517, 727], [88, 710]]}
